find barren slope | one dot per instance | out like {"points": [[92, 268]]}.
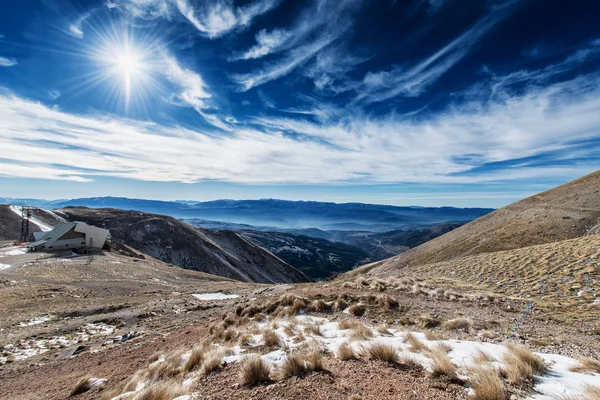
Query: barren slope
{"points": [[222, 253], [10, 221], [565, 212]]}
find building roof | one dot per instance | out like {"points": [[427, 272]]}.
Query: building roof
{"points": [[58, 231]]}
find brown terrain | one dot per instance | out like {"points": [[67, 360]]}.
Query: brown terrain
{"points": [[419, 326]]}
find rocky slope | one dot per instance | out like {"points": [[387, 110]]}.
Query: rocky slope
{"points": [[222, 253], [10, 221], [565, 212]]}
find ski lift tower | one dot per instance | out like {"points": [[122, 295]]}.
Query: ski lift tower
{"points": [[25, 214]]}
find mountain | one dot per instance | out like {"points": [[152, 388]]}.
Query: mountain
{"points": [[382, 245], [222, 253], [565, 212], [317, 258], [292, 214]]}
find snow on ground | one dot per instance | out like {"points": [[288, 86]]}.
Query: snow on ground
{"points": [[33, 346], [37, 320], [559, 382], [43, 227], [215, 296], [4, 266], [16, 251]]}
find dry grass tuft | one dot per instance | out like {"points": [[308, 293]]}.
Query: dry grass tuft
{"points": [[481, 357], [230, 334], [254, 371], [521, 364], [410, 363], [488, 335], [587, 366], [388, 302], [270, 337], [345, 352], [347, 324], [458, 324], [82, 386], [313, 328], [414, 344], [441, 364], [302, 363], [213, 361], [166, 390], [340, 304], [167, 369], [315, 360], [426, 321], [429, 335], [360, 332], [380, 352], [383, 330], [487, 384], [319, 306], [356, 310], [244, 339], [196, 358], [592, 392], [298, 305]]}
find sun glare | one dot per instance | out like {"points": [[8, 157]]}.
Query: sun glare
{"points": [[128, 63]]}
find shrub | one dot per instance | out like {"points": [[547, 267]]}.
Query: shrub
{"points": [[381, 352], [356, 309], [458, 324], [313, 328], [254, 370], [586, 365], [441, 364], [244, 339], [345, 352], [488, 385], [298, 305]]}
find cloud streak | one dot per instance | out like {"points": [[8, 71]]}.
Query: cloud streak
{"points": [[7, 62], [215, 19], [544, 131]]}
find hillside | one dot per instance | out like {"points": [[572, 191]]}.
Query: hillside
{"points": [[565, 212], [317, 258], [222, 253], [10, 221]]}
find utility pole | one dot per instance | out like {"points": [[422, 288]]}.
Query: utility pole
{"points": [[25, 214]]}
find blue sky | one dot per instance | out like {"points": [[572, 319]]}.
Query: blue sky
{"points": [[420, 102]]}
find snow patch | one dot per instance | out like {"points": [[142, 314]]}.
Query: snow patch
{"points": [[37, 320], [17, 251], [215, 296], [43, 227], [4, 266]]}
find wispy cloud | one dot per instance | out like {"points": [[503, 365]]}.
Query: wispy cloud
{"points": [[414, 80], [312, 32], [547, 129], [7, 62], [192, 91], [54, 94], [217, 18], [75, 29]]}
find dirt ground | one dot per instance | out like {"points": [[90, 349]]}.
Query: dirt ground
{"points": [[152, 302]]}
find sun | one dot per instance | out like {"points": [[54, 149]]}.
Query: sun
{"points": [[128, 63]]}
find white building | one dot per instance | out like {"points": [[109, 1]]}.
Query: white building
{"points": [[70, 235]]}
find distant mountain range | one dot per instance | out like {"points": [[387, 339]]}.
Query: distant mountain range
{"points": [[282, 213]]}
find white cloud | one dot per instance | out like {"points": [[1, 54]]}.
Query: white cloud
{"points": [[75, 29], [219, 17], [193, 91], [559, 122], [7, 62], [284, 66], [267, 42]]}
